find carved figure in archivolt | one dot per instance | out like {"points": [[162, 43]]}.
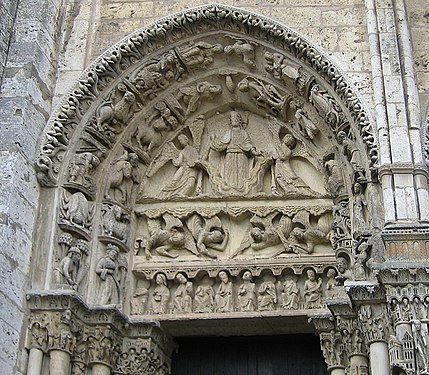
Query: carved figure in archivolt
{"points": [[204, 297], [265, 95], [76, 211], [116, 222], [309, 129], [313, 291], [157, 75], [123, 178], [160, 295], [359, 206], [267, 296], [81, 167], [349, 149], [111, 270], [199, 55], [341, 221], [224, 297], [326, 106], [344, 272], [264, 233], [335, 177], [192, 96], [208, 233], [246, 298], [167, 234], [289, 293], [113, 114], [242, 47], [239, 169], [68, 270], [183, 295]]}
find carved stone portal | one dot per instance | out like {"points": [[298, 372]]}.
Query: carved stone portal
{"points": [[210, 174]]}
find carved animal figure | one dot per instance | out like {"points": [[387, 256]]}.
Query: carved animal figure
{"points": [[121, 111], [174, 236], [123, 176], [115, 222], [150, 137], [77, 209]]}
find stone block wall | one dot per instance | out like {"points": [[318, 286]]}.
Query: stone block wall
{"points": [[30, 35]]}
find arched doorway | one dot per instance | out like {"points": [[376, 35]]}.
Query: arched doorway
{"points": [[211, 168]]}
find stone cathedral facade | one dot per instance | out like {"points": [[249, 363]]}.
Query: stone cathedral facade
{"points": [[180, 168]]}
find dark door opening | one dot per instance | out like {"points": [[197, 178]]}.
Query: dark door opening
{"points": [[253, 355]]}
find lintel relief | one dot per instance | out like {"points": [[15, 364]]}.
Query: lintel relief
{"points": [[212, 163]]}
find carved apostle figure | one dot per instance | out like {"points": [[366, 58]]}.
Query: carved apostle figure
{"points": [[67, 270], [246, 293], [223, 297], [267, 296], [289, 297], [107, 270], [313, 291], [139, 301], [183, 295], [160, 295], [204, 297], [237, 165]]}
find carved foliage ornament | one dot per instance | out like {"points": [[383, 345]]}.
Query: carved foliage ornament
{"points": [[68, 116]]}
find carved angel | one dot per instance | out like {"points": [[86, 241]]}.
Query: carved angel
{"points": [[199, 55], [242, 47], [186, 180], [264, 233], [174, 236], [192, 96], [208, 234], [264, 95]]}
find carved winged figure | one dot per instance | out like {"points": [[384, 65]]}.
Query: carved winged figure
{"points": [[242, 47], [186, 180], [208, 234], [264, 233], [193, 96], [174, 236], [307, 236]]}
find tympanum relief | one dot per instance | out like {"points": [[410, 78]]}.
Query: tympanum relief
{"points": [[212, 155]]}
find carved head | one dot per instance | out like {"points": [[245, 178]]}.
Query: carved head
{"points": [[342, 264], [74, 253], [183, 140], [257, 234], [112, 251], [247, 276], [160, 279], [181, 278], [235, 119], [331, 273], [216, 236], [223, 276], [289, 140], [311, 275]]}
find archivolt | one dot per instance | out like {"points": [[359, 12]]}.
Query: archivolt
{"points": [[100, 81]]}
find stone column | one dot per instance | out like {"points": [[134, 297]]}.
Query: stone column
{"points": [[35, 360], [375, 325], [59, 363], [357, 361], [379, 358], [100, 369], [337, 371]]}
